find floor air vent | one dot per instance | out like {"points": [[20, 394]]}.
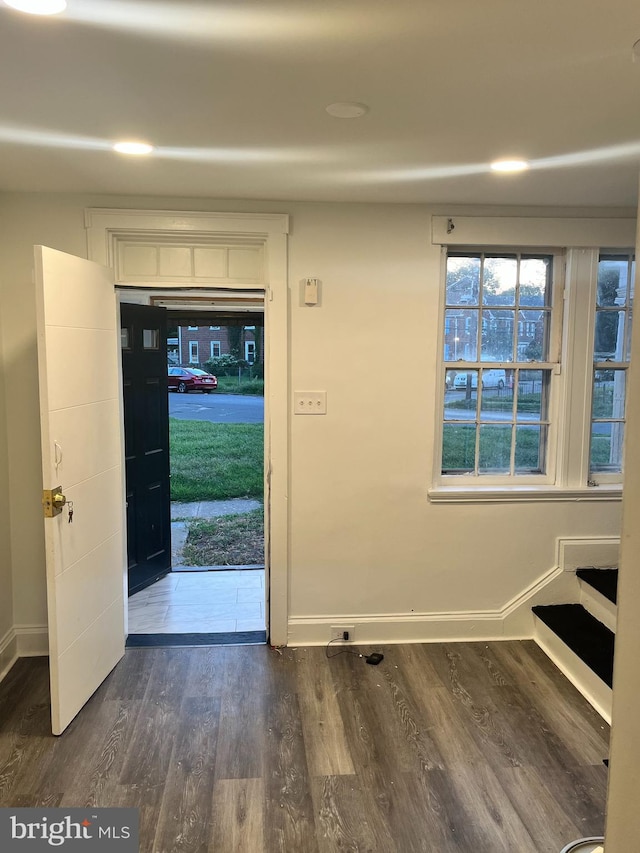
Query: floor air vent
{"points": [[585, 845]]}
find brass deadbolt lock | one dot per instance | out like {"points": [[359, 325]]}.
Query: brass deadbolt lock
{"points": [[53, 500]]}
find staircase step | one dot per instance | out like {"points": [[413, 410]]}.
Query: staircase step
{"points": [[583, 634], [604, 580]]}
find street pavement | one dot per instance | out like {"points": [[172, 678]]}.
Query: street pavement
{"points": [[217, 408]]}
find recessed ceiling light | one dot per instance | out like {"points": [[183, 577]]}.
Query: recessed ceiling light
{"points": [[38, 7], [509, 166], [347, 110], [138, 149]]}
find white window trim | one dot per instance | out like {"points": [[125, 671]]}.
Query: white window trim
{"points": [[193, 360], [449, 483], [211, 346], [569, 408], [523, 494]]}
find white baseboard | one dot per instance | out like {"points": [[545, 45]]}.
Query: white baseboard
{"points": [[398, 628], [22, 641], [33, 640], [512, 621], [8, 652]]}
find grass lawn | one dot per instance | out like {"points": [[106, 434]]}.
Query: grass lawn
{"points": [[230, 385], [232, 540], [215, 461], [499, 403], [459, 445]]}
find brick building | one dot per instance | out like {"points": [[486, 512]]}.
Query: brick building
{"points": [[195, 345]]}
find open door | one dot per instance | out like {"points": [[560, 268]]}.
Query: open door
{"points": [[143, 330], [83, 497]]}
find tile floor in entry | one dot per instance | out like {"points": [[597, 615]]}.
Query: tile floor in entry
{"points": [[200, 602]]}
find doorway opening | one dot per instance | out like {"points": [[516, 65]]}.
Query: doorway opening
{"points": [[213, 590]]}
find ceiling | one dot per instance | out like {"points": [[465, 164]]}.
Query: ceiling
{"points": [[233, 96]]}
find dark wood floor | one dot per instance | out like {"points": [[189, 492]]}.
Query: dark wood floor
{"points": [[473, 747]]}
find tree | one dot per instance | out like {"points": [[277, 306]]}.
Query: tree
{"points": [[606, 342], [235, 335]]}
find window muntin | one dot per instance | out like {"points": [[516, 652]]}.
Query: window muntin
{"points": [[497, 325], [611, 355]]}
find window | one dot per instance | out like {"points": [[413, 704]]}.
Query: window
{"points": [[249, 351], [611, 353], [151, 339], [216, 349], [214, 328], [535, 363], [496, 420], [193, 352], [192, 328]]}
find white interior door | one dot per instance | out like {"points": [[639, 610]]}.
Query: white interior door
{"points": [[80, 402]]}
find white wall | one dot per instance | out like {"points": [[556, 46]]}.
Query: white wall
{"points": [[6, 585], [364, 538], [623, 815]]}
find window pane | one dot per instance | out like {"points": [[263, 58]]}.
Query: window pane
{"points": [[609, 336], [497, 397], [530, 444], [463, 280], [458, 448], [495, 449], [530, 395], [497, 335], [534, 281], [532, 336], [606, 447], [150, 338], [462, 401], [609, 393], [612, 281], [460, 335], [124, 338], [612, 342], [499, 280]]}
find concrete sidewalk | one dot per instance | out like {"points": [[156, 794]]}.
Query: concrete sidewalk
{"points": [[212, 509]]}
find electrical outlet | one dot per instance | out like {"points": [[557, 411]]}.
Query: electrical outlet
{"points": [[338, 630]]}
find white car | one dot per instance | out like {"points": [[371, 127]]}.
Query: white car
{"points": [[491, 378]]}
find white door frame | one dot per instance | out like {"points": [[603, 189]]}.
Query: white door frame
{"points": [[108, 228]]}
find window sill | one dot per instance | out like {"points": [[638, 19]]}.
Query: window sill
{"points": [[523, 494]]}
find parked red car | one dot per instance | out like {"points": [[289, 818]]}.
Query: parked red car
{"points": [[183, 379]]}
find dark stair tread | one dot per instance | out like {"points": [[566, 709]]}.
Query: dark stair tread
{"points": [[583, 634], [604, 580]]}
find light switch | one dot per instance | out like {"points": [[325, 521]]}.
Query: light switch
{"points": [[310, 402]]}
